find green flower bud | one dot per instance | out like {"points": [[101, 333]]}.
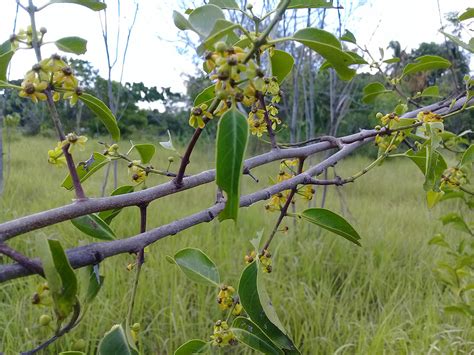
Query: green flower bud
{"points": [[379, 115], [170, 159], [136, 327], [79, 345], [220, 46], [44, 320]]}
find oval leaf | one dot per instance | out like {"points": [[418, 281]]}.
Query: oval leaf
{"points": [[103, 113], [225, 4], [86, 169], [91, 4], [115, 342], [203, 19], [348, 36], [197, 266], [109, 215], [205, 96], [308, 4], [257, 305], [90, 282], [232, 137], [332, 222], [372, 90], [146, 151], [431, 91], [282, 64], [181, 22], [61, 278], [426, 62], [194, 346], [466, 15], [222, 30], [329, 47], [93, 226], [250, 334], [468, 156], [76, 45]]}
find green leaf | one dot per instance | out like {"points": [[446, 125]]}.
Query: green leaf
{"points": [[6, 54], [328, 46], [72, 353], [439, 241], [392, 60], [194, 346], [458, 41], [426, 62], [348, 36], [76, 45], [222, 28], [90, 282], [466, 15], [433, 197], [115, 342], [457, 221], [310, 4], [197, 266], [62, 281], [419, 158], [91, 4], [250, 334], [181, 22], [372, 90], [93, 226], [146, 152], [109, 215], [431, 174], [460, 309], [203, 19], [282, 64], [206, 96], [400, 109], [84, 171], [468, 156], [257, 305], [332, 222], [232, 137], [225, 4], [103, 113], [431, 91]]}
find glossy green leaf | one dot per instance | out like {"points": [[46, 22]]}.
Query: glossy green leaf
{"points": [[194, 346], [348, 36], [329, 47], [232, 137], [457, 221], [426, 62], [392, 60], [356, 58], [372, 90], [225, 4], [433, 197], [458, 41], [466, 15], [109, 215], [400, 109], [309, 4], [223, 30], [197, 266], [62, 281], [419, 158], [332, 222], [6, 54], [250, 334], [103, 113], [76, 45], [93, 226], [146, 152], [115, 342], [431, 174], [206, 96], [90, 282], [282, 64], [91, 4], [431, 91], [181, 22], [468, 156], [203, 19], [258, 306], [86, 169]]}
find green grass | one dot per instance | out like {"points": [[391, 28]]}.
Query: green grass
{"points": [[333, 297]]}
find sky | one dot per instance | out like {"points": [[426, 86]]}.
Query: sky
{"points": [[154, 56]]}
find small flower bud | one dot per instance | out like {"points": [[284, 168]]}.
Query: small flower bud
{"points": [[135, 327], [379, 115], [79, 345], [43, 30], [221, 46], [249, 7], [171, 159], [378, 128], [44, 320]]}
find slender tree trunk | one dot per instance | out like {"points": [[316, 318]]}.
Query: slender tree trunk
{"points": [[79, 117]]}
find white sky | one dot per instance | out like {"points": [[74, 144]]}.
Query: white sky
{"points": [[154, 59]]}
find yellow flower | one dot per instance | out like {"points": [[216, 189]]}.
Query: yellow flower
{"points": [[222, 335], [197, 115], [138, 173], [72, 139], [266, 261], [427, 116], [257, 127], [53, 63], [56, 156], [34, 90], [307, 192], [388, 118], [64, 78], [73, 95], [224, 298]]}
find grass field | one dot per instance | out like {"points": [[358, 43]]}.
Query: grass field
{"points": [[333, 297]]}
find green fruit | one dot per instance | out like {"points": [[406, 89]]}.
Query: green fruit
{"points": [[136, 327], [44, 320]]}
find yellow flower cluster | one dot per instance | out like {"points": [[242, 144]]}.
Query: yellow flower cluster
{"points": [[42, 296], [385, 142], [224, 298], [266, 261], [453, 178], [54, 74], [137, 173], [72, 140], [238, 80], [428, 117], [222, 335]]}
